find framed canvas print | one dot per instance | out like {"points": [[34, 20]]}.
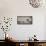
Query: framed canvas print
{"points": [[24, 19]]}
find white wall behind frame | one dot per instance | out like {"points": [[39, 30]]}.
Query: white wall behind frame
{"points": [[14, 8]]}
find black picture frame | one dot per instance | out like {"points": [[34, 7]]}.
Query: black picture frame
{"points": [[24, 19]]}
